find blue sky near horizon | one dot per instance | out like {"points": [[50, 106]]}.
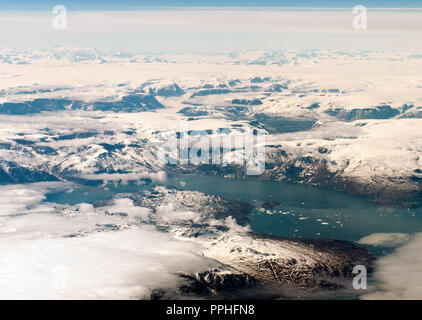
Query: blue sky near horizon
{"points": [[140, 4]]}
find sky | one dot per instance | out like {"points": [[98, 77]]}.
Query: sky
{"points": [[176, 26], [139, 4]]}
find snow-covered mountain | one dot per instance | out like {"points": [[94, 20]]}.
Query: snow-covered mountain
{"points": [[347, 120], [77, 118]]}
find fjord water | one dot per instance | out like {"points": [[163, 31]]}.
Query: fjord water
{"points": [[299, 210], [307, 211]]}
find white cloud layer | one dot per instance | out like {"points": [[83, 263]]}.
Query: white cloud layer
{"points": [[214, 29], [82, 252], [169, 212], [125, 177], [385, 239], [399, 275], [107, 265]]}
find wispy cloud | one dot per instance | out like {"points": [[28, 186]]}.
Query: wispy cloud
{"points": [[199, 28]]}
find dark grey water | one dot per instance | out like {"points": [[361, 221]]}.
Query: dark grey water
{"points": [[303, 210]]}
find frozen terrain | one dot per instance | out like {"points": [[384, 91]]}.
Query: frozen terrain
{"points": [[131, 245], [346, 120], [349, 121]]}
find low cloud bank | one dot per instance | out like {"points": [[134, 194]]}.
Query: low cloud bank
{"points": [[52, 251], [399, 275], [385, 239], [125, 177], [107, 265]]}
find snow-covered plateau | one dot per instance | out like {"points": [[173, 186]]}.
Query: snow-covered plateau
{"points": [[348, 121]]}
